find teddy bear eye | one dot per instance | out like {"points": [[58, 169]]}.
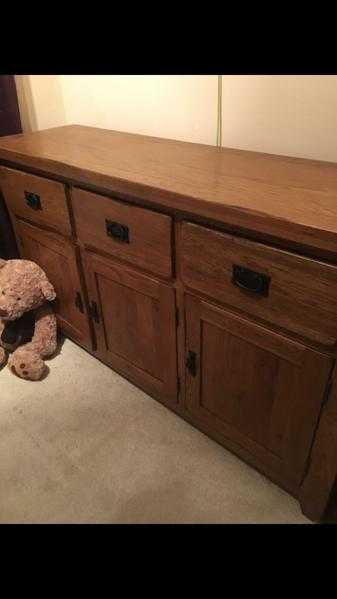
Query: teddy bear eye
{"points": [[18, 298], [3, 293]]}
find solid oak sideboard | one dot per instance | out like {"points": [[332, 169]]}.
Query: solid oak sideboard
{"points": [[206, 276]]}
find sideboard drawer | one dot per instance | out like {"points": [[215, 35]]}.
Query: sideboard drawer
{"points": [[36, 199], [291, 291], [136, 235]]}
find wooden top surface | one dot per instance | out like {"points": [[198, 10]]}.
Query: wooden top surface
{"points": [[288, 198]]}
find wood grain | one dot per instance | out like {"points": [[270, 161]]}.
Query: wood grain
{"points": [[288, 198], [322, 473], [302, 292], [54, 211], [57, 257], [255, 387], [260, 393], [149, 244], [136, 332]]}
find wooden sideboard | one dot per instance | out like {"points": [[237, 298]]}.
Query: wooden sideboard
{"points": [[206, 276]]}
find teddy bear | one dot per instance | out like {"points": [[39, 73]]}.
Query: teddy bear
{"points": [[28, 327]]}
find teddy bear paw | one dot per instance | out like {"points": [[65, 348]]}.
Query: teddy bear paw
{"points": [[26, 365]]}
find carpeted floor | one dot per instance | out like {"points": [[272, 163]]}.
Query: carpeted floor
{"points": [[86, 446]]}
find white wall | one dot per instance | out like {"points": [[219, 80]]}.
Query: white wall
{"points": [[293, 115], [41, 101], [177, 107]]}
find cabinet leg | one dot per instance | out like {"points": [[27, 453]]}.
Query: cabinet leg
{"points": [[320, 480]]}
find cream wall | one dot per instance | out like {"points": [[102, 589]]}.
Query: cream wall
{"points": [[294, 115], [40, 101], [177, 107]]}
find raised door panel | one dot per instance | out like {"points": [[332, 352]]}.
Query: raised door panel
{"points": [[57, 257], [135, 325], [259, 391]]}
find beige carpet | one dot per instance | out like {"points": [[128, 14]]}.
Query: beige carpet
{"points": [[86, 446]]}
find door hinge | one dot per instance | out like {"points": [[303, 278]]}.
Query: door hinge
{"points": [[79, 302], [191, 363], [93, 312]]}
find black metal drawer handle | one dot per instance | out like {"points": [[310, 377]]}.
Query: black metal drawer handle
{"points": [[117, 231], [33, 200], [250, 280]]}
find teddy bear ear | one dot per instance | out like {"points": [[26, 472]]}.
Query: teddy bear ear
{"points": [[2, 263], [48, 290]]}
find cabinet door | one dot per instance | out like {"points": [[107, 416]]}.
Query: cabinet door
{"points": [[57, 257], [259, 391], [134, 318]]}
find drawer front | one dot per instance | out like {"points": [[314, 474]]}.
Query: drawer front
{"points": [[290, 291], [133, 234], [36, 199]]}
